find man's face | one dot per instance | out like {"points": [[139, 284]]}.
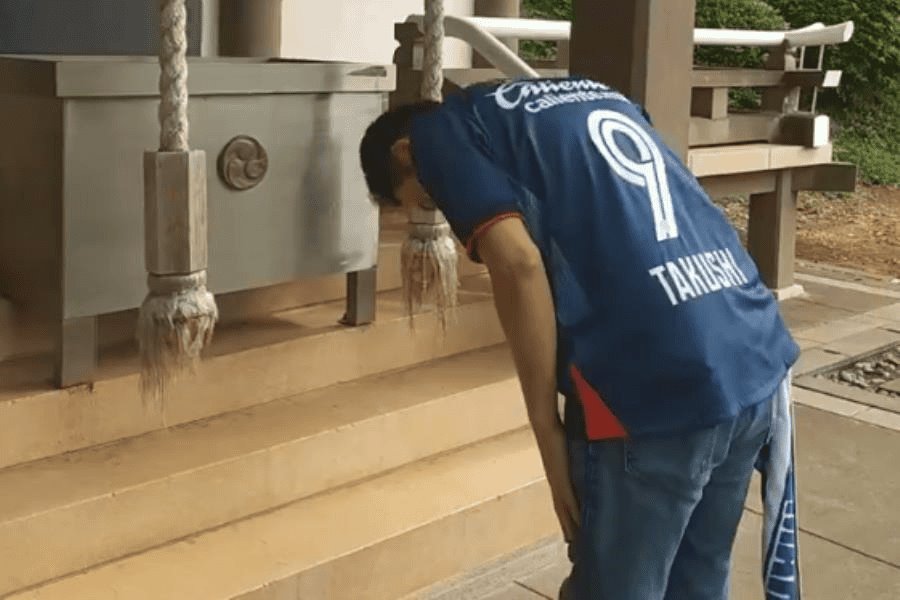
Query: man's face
{"points": [[408, 190]]}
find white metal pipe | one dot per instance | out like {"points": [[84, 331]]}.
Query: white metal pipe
{"points": [[488, 46], [816, 34], [737, 37], [529, 29]]}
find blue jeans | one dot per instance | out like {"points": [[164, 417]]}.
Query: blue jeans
{"points": [[659, 515]]}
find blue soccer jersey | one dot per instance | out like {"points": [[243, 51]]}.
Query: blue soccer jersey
{"points": [[664, 324]]}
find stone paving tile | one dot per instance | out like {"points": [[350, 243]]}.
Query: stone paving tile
{"points": [[852, 300], [806, 344], [828, 571], [862, 397], [891, 312], [877, 321], [881, 418], [800, 313], [515, 592], [547, 580], [848, 483], [813, 359], [865, 341], [827, 403], [835, 330]]}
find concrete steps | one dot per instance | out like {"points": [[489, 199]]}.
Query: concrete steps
{"points": [[304, 459], [257, 361], [148, 490], [381, 538]]}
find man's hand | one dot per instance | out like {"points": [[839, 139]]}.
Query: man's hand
{"points": [[525, 306], [555, 454]]}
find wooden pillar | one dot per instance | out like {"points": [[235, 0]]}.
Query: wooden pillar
{"points": [[495, 8], [771, 235], [250, 28], [644, 49]]}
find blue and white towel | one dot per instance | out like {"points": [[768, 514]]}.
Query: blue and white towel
{"points": [[780, 551]]}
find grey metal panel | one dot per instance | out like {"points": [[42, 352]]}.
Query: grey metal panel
{"points": [[103, 77], [31, 183], [141, 78], [88, 26], [309, 216]]}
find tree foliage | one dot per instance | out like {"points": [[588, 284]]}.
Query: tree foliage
{"points": [[735, 14]]}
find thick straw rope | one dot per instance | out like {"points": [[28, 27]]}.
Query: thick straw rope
{"points": [[428, 259], [173, 90], [177, 318], [433, 59]]}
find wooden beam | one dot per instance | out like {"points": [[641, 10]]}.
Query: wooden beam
{"points": [[804, 129], [739, 184], [729, 78], [736, 129], [795, 129], [748, 158], [709, 103], [808, 79], [830, 177]]}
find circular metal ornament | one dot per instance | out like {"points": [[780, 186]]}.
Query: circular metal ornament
{"points": [[243, 163]]}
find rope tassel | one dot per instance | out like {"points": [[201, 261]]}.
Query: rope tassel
{"points": [[178, 316], [428, 262], [175, 324], [428, 258]]}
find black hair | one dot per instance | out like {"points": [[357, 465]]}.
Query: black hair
{"points": [[375, 148]]}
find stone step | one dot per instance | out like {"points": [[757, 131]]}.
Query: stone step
{"points": [[257, 361], [69, 512], [378, 539]]}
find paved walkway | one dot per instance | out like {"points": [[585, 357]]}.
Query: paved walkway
{"points": [[848, 464]]}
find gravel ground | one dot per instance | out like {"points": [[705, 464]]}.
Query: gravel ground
{"points": [[872, 372]]}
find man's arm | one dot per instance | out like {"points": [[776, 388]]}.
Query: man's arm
{"points": [[525, 306]]}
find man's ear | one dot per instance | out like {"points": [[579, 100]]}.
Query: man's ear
{"points": [[402, 153]]}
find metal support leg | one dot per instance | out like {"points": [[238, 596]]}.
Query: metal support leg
{"points": [[771, 236], [361, 290], [76, 352]]}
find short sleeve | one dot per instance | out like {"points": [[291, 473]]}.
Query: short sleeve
{"points": [[454, 165]]}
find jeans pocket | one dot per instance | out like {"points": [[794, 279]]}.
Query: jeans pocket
{"points": [[681, 464]]}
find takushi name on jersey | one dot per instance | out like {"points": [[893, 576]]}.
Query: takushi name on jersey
{"points": [[694, 276]]}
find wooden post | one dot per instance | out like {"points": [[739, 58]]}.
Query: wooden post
{"points": [[408, 59], [250, 28], [644, 49], [781, 99], [563, 53], [495, 8], [771, 235]]}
